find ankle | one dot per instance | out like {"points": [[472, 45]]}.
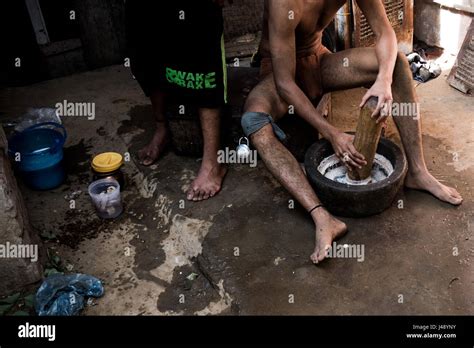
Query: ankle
{"points": [[320, 214], [210, 163], [417, 169]]}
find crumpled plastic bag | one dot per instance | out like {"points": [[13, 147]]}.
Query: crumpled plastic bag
{"points": [[422, 69], [64, 295], [37, 115]]}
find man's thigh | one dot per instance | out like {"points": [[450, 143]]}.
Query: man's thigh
{"points": [[356, 67]]}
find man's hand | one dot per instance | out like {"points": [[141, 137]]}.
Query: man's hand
{"points": [[344, 149], [381, 89], [386, 50]]}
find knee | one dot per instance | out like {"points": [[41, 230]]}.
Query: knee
{"points": [[257, 126], [252, 122], [256, 103], [402, 75], [402, 65]]}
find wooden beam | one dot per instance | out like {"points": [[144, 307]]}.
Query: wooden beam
{"points": [[37, 21]]}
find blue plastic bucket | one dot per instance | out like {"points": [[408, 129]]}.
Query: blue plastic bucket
{"points": [[38, 153]]}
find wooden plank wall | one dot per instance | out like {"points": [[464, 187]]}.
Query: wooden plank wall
{"points": [[102, 26]]}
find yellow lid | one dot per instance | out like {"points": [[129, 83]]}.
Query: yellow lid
{"points": [[107, 162]]}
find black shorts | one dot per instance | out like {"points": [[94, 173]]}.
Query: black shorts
{"points": [[177, 47]]}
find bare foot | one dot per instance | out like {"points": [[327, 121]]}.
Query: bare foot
{"points": [[150, 153], [208, 182], [328, 229], [427, 182]]}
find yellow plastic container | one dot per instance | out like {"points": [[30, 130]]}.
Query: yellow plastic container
{"points": [[108, 165]]}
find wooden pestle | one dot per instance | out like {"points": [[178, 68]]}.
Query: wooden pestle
{"points": [[366, 139]]}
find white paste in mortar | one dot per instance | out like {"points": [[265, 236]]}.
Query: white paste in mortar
{"points": [[333, 169]]}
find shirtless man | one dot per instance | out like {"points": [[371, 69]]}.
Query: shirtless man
{"points": [[297, 69]]}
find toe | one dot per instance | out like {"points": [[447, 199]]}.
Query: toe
{"points": [[190, 195], [323, 253], [203, 195], [456, 194], [147, 161], [314, 257], [454, 197], [198, 196], [452, 191], [456, 200], [146, 157], [142, 156]]}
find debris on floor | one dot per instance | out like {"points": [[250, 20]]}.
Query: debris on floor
{"points": [[65, 294], [423, 70]]}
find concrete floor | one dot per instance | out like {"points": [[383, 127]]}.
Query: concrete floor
{"points": [[245, 251]]}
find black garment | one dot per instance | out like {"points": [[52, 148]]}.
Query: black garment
{"points": [[177, 46]]}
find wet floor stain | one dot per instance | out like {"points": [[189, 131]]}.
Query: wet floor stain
{"points": [[77, 162], [141, 116]]}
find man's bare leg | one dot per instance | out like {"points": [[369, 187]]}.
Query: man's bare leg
{"points": [[410, 130], [361, 70], [211, 174], [281, 163], [150, 153]]}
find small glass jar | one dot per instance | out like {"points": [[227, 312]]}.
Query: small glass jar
{"points": [[108, 165]]}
